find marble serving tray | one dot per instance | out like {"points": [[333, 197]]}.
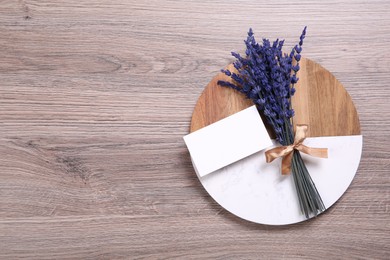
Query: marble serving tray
{"points": [[256, 191]]}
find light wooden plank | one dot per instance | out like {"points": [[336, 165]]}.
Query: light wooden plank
{"points": [[95, 97]]}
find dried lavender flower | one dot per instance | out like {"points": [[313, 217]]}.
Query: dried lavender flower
{"points": [[267, 77]]}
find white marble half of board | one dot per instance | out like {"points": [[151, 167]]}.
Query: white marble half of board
{"points": [[256, 191]]}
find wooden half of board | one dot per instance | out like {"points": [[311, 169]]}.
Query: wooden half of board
{"points": [[320, 101]]}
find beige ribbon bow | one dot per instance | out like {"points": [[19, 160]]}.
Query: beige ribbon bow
{"points": [[287, 151]]}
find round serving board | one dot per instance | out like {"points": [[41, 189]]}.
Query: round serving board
{"points": [[255, 190], [320, 101]]}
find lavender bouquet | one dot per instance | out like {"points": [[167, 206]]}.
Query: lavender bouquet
{"points": [[267, 76]]}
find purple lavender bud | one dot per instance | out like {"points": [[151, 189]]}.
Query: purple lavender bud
{"points": [[292, 91], [250, 32], [237, 78], [279, 121], [268, 87], [303, 34], [236, 55], [260, 101], [255, 91], [230, 85], [266, 43], [289, 113], [281, 45], [247, 52], [298, 49], [292, 112], [275, 43], [278, 130], [267, 112], [237, 65], [262, 66], [226, 72], [297, 57], [295, 68], [292, 53], [294, 79], [246, 88]]}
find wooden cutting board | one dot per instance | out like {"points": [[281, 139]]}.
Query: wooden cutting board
{"points": [[320, 101]]}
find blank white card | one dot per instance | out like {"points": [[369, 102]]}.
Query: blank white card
{"points": [[227, 141]]}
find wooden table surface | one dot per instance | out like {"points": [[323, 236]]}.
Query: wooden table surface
{"points": [[95, 97]]}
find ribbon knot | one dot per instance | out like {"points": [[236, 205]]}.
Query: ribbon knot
{"points": [[287, 151]]}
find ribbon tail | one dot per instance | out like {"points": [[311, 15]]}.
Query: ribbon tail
{"points": [[286, 163], [316, 152], [276, 152]]}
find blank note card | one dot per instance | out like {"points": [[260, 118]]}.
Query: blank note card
{"points": [[227, 141]]}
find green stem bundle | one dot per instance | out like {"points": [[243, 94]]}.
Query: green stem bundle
{"points": [[309, 199]]}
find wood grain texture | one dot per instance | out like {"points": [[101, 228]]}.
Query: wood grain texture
{"points": [[321, 102], [95, 97]]}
